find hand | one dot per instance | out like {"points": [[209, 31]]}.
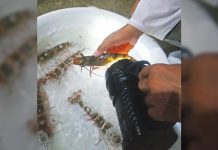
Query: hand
{"points": [[127, 34], [162, 83]]}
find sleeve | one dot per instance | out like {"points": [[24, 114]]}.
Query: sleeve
{"points": [[156, 17]]}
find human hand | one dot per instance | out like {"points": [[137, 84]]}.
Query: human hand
{"points": [[127, 34], [162, 83]]}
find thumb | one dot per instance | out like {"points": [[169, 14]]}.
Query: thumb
{"points": [[99, 51]]}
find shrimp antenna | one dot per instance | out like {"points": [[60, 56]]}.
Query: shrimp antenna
{"points": [[91, 72]]}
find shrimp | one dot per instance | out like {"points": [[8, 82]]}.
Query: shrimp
{"points": [[59, 70], [9, 22], [43, 121], [12, 65], [50, 53], [103, 60], [104, 126]]}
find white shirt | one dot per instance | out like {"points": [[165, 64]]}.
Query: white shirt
{"points": [[156, 17]]}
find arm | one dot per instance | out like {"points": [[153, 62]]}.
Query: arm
{"points": [[156, 18]]}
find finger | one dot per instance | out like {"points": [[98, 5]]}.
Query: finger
{"points": [[98, 53], [147, 103], [155, 114], [154, 110], [101, 49], [143, 86], [149, 100], [144, 73]]}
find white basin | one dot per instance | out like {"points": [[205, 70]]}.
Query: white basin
{"points": [[86, 27]]}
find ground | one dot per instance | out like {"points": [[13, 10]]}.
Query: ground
{"points": [[121, 7]]}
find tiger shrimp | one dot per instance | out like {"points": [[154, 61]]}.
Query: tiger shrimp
{"points": [[50, 53], [9, 22], [106, 128], [95, 62], [43, 120], [12, 65], [59, 70]]}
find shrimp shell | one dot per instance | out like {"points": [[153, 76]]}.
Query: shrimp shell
{"points": [[59, 70], [43, 110], [50, 53], [12, 65], [104, 126], [10, 21]]}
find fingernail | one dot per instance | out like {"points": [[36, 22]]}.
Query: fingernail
{"points": [[96, 53]]}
